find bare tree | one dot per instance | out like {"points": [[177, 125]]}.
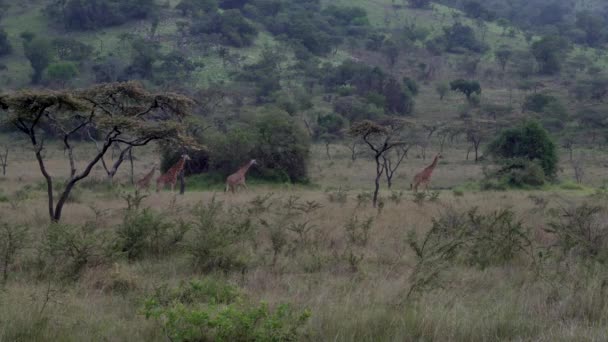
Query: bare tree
{"points": [[117, 113], [392, 160], [476, 132], [579, 171], [380, 139], [568, 143], [351, 145]]}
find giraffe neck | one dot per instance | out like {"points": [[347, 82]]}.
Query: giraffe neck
{"points": [[151, 173], [243, 170], [435, 161], [177, 168]]}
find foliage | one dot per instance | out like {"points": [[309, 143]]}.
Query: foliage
{"points": [[93, 14], [68, 249], [420, 3], [398, 98], [219, 238], [471, 238], [39, 53], [529, 141], [195, 8], [61, 72], [358, 232], [442, 89], [214, 311], [581, 231], [466, 87], [123, 115], [547, 52], [231, 25], [13, 239], [144, 232], [459, 38], [69, 49]]}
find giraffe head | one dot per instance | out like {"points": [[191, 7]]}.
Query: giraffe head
{"points": [[186, 157], [253, 162]]}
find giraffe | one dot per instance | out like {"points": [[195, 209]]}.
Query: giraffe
{"points": [[424, 177], [144, 183], [238, 178], [170, 177]]}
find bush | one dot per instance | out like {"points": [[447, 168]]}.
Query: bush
{"points": [[61, 72], [13, 239], [231, 25], [582, 231], [219, 238], [146, 232], [69, 49], [538, 102], [93, 14], [468, 238], [530, 142], [283, 147], [214, 311], [70, 248]]}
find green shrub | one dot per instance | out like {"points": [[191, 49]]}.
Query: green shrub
{"points": [[69, 249], [212, 311], [581, 231], [13, 238], [521, 147], [358, 232], [219, 238], [146, 232], [466, 238]]}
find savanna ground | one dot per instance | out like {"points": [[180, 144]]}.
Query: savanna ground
{"points": [[320, 248]]}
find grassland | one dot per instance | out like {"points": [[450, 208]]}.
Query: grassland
{"points": [[349, 300]]}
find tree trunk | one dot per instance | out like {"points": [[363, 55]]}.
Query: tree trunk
{"points": [[132, 167], [379, 172], [327, 151], [49, 183]]}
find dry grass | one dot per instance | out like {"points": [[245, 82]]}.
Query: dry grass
{"points": [[364, 302]]}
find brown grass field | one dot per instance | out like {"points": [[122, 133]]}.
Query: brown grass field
{"points": [[355, 292]]}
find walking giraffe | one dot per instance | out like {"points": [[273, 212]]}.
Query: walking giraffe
{"points": [[424, 177], [238, 178], [170, 177], [144, 183]]}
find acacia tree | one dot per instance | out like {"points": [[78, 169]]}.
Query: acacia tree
{"points": [[466, 87], [117, 113], [380, 139], [392, 161]]}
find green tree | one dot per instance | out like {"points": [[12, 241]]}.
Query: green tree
{"points": [[503, 55], [39, 53], [466, 87], [62, 72], [442, 89], [420, 3], [531, 142], [549, 53], [195, 8], [123, 115]]}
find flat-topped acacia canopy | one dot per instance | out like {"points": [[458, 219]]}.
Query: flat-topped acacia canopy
{"points": [[123, 114]]}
